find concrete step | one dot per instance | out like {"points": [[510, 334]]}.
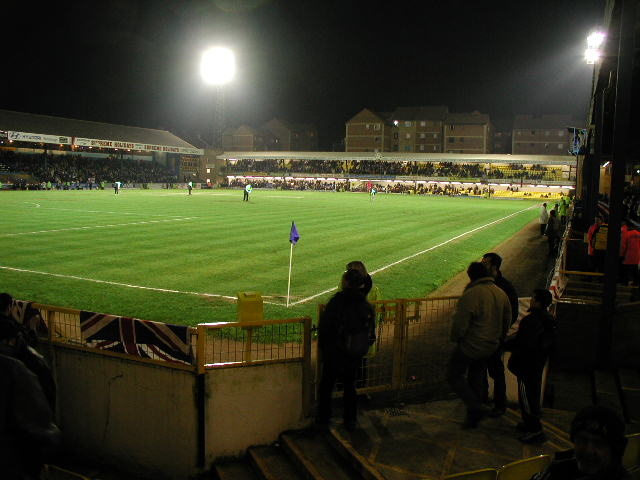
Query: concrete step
{"points": [[272, 463], [235, 470], [315, 456]]}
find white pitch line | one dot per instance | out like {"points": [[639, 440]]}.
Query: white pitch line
{"points": [[37, 205], [96, 226], [119, 284], [128, 285], [304, 300]]}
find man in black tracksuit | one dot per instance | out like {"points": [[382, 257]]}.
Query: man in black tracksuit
{"points": [[530, 347]]}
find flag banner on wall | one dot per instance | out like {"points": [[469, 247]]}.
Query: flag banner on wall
{"points": [[142, 338], [23, 313]]}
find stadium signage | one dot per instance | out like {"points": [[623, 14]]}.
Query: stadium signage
{"points": [[38, 138], [94, 142]]}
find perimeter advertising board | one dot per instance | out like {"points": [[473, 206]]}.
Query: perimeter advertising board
{"points": [[101, 143], [39, 138]]}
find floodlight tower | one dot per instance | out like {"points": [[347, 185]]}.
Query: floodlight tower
{"points": [[217, 68]]}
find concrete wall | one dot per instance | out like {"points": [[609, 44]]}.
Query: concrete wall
{"points": [[134, 415], [144, 418], [251, 406]]}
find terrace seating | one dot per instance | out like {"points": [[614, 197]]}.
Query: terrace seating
{"points": [[524, 469], [631, 458], [483, 474], [52, 472]]}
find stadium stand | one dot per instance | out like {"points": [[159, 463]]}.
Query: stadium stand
{"points": [[25, 171]]}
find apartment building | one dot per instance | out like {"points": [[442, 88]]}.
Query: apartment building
{"points": [[292, 137], [248, 139], [418, 129], [369, 131], [544, 135], [467, 133]]}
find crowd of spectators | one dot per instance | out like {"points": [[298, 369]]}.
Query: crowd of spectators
{"points": [[26, 171], [369, 167], [345, 185]]}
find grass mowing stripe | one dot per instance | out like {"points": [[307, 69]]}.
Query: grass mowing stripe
{"points": [[97, 226], [409, 257]]}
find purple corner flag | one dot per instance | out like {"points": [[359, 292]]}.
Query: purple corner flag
{"points": [[294, 236]]}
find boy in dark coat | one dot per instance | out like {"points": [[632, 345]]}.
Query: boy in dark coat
{"points": [[348, 310], [530, 347]]}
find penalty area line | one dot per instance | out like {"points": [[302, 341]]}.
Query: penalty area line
{"points": [[409, 257], [120, 284]]}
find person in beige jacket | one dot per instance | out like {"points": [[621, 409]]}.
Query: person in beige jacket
{"points": [[480, 323]]}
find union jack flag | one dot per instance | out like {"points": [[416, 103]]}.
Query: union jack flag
{"points": [[24, 313], [142, 338]]}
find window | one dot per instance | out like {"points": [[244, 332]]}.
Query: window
{"points": [[533, 132], [560, 133], [546, 145], [435, 149], [451, 139], [377, 139], [407, 136], [546, 133], [368, 126], [435, 135], [451, 127], [395, 135], [422, 148], [407, 124], [407, 148], [422, 135], [376, 126], [560, 145], [423, 123]]}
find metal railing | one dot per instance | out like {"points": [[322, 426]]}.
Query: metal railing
{"points": [[412, 345], [215, 345]]}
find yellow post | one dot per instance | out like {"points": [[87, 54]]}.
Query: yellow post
{"points": [[200, 348], [306, 367], [399, 326]]}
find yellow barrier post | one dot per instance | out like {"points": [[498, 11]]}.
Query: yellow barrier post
{"points": [[200, 348], [250, 309]]}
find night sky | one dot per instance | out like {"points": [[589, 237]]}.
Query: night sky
{"points": [[136, 62]]}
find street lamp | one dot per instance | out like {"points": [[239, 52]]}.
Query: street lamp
{"points": [[217, 68]]}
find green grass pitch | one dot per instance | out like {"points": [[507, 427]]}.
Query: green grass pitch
{"points": [[154, 254]]}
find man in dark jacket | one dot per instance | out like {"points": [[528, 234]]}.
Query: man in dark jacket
{"points": [[530, 347], [347, 317], [28, 434], [495, 366], [598, 440]]}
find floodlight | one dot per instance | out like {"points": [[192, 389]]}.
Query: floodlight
{"points": [[595, 40], [218, 66], [591, 56]]}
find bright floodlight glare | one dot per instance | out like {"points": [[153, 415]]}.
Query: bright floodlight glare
{"points": [[595, 40], [591, 56], [218, 66]]}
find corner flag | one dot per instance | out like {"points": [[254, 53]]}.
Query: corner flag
{"points": [[294, 236]]}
